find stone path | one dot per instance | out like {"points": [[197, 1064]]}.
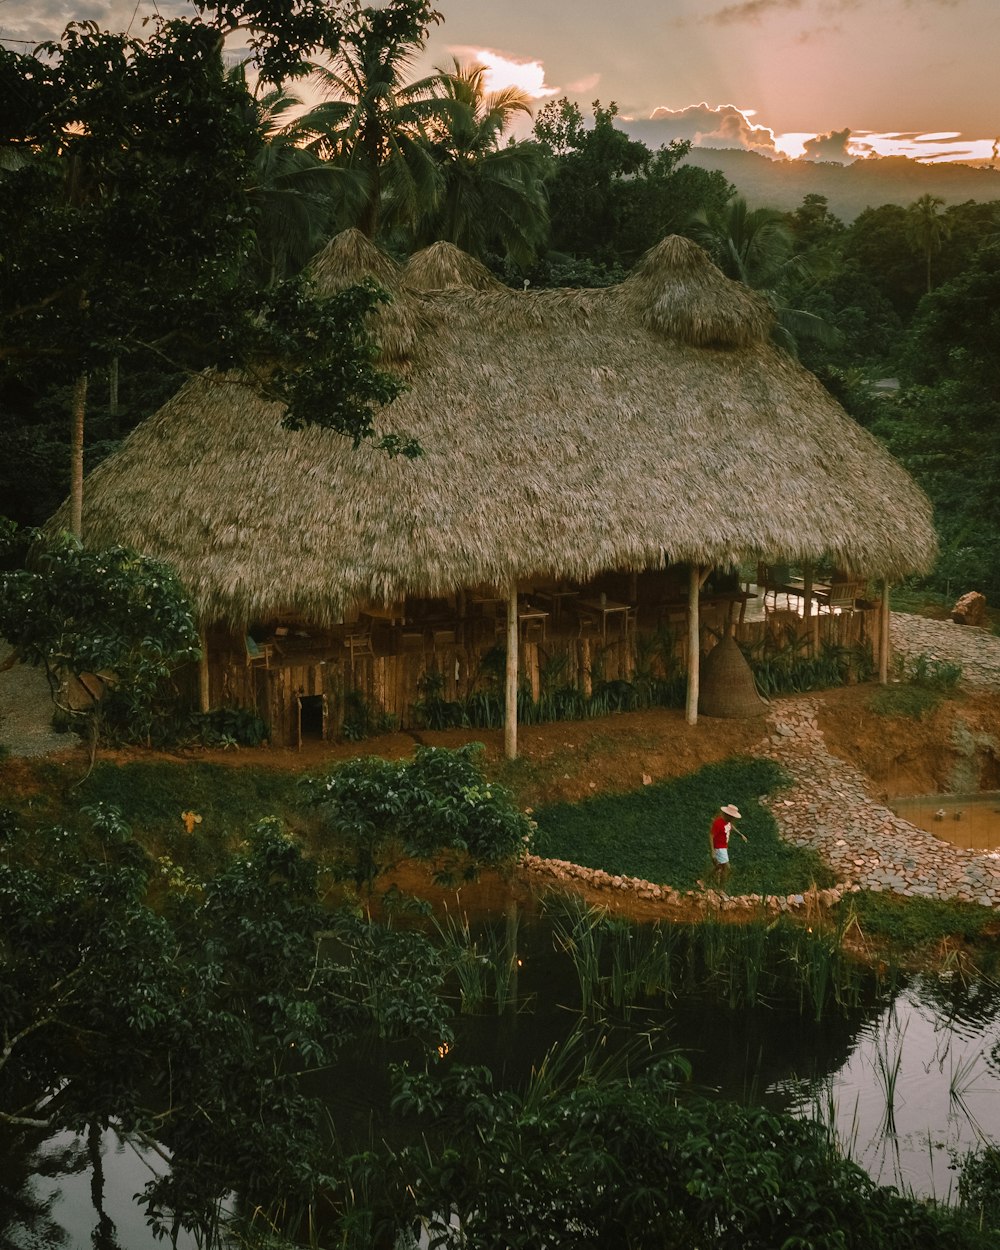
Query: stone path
{"points": [[26, 711], [831, 810], [828, 806]]}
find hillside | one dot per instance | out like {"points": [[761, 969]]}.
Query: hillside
{"points": [[849, 189]]}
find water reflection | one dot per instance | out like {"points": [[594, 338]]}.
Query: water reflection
{"points": [[73, 1192], [907, 1081], [920, 1088]]}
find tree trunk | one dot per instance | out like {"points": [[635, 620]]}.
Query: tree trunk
{"points": [[76, 457]]}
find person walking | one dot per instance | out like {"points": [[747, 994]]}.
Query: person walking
{"points": [[718, 839]]}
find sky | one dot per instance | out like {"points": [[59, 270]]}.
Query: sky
{"points": [[828, 79]]}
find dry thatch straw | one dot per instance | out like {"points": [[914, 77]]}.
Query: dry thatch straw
{"points": [[443, 265], [564, 432]]}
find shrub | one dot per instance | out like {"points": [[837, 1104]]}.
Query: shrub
{"points": [[440, 802]]}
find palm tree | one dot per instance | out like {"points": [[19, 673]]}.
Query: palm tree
{"points": [[755, 247], [373, 123], [927, 228], [297, 199], [490, 195]]}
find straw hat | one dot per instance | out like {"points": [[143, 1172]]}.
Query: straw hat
{"points": [[731, 810]]}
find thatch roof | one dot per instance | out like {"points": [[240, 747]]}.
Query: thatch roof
{"points": [[564, 432]]}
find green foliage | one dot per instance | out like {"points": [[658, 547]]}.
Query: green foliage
{"points": [[979, 1188], [365, 720], [786, 665], [631, 1161], [923, 682], [910, 924], [229, 727], [112, 612], [194, 1023], [438, 803], [660, 833]]}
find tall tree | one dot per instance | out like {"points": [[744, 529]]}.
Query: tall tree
{"points": [[754, 246], [927, 228], [374, 121], [491, 194], [126, 212]]}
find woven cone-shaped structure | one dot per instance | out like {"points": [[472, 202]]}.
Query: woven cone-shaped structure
{"points": [[565, 433], [727, 685]]}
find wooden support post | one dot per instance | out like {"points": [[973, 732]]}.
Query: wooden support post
{"points": [[694, 644], [883, 630], [204, 697], [510, 719]]}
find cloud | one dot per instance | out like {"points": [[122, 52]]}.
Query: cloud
{"points": [[583, 85], [507, 71], [829, 147], [751, 11], [724, 126]]}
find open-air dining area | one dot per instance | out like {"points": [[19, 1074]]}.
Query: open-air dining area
{"points": [[301, 677]]}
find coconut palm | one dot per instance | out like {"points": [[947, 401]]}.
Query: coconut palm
{"points": [[755, 247], [491, 196], [373, 122], [298, 200], [927, 228]]}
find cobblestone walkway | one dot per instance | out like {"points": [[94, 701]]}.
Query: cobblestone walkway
{"points": [[831, 810]]}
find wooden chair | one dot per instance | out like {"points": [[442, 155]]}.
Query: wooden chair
{"points": [[358, 641], [257, 652], [842, 597]]}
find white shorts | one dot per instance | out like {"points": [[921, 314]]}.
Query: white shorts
{"points": [[720, 855]]}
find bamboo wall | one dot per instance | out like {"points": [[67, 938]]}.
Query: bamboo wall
{"points": [[390, 682]]}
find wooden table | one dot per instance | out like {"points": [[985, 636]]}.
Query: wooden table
{"points": [[602, 609], [527, 612], [556, 597]]}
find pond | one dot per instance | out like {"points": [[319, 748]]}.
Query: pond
{"points": [[971, 821], [905, 1077]]}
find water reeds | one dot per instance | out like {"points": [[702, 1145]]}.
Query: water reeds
{"points": [[620, 964]]}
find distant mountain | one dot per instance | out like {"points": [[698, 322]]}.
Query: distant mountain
{"points": [[849, 189]]}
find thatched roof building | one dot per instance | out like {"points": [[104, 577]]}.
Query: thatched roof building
{"points": [[564, 432]]}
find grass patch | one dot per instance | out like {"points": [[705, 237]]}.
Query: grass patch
{"points": [[660, 833], [912, 701], [915, 924], [152, 796]]}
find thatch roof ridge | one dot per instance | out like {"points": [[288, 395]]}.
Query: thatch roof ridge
{"points": [[561, 435], [349, 259], [675, 289], [442, 266]]}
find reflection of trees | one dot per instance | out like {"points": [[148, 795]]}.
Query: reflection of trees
{"points": [[25, 1218]]}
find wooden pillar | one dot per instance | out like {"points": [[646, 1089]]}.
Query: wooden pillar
{"points": [[694, 644], [510, 720], [204, 698], [883, 631]]}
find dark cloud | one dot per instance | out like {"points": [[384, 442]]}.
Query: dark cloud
{"points": [[721, 127], [751, 11], [829, 147]]}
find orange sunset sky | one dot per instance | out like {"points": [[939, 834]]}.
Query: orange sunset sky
{"points": [[831, 79]]}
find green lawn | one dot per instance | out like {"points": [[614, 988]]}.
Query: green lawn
{"points": [[660, 833]]}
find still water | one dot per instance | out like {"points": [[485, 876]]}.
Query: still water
{"points": [[907, 1083], [971, 821]]}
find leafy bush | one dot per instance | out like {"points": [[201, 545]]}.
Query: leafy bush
{"points": [[363, 719], [921, 685], [660, 833], [229, 726], [979, 1187], [438, 802]]}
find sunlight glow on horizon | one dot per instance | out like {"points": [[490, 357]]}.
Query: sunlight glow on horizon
{"points": [[503, 71]]}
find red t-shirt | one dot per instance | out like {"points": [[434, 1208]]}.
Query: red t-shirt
{"points": [[720, 833]]}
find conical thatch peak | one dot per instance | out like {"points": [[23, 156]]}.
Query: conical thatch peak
{"points": [[443, 265], [351, 258], [676, 290]]}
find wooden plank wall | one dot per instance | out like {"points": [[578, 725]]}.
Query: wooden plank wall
{"points": [[392, 682]]}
